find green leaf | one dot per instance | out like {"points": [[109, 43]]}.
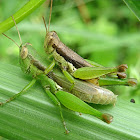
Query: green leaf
{"points": [[26, 10], [134, 5], [34, 116]]}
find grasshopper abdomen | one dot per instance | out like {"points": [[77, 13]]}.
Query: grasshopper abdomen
{"points": [[86, 91]]}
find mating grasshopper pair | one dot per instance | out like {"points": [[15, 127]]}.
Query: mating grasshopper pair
{"points": [[33, 64], [72, 66]]}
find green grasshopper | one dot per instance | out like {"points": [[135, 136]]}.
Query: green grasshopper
{"points": [[72, 64], [31, 63]]}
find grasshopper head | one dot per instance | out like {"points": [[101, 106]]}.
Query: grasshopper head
{"points": [[50, 39], [24, 50], [23, 57]]}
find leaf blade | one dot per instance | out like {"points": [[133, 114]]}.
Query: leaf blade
{"points": [[34, 116], [26, 10], [134, 6]]}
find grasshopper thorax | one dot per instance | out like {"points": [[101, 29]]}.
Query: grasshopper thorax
{"points": [[51, 40]]}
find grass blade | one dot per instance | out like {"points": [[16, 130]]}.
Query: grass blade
{"points": [[26, 10], [134, 6], [34, 116]]}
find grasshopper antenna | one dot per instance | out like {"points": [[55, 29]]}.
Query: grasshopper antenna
{"points": [[47, 30], [17, 30], [11, 39], [50, 15], [44, 23]]}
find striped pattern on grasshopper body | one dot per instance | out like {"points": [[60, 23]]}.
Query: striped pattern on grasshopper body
{"points": [[62, 53], [86, 91]]}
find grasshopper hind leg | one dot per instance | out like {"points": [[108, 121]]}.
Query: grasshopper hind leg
{"points": [[85, 73], [56, 102]]}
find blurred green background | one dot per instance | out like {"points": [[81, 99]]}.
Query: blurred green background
{"points": [[106, 32]]}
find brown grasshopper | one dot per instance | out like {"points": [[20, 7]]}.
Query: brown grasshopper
{"points": [[73, 65]]}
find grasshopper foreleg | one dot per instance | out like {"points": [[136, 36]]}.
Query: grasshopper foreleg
{"points": [[50, 67], [18, 94]]}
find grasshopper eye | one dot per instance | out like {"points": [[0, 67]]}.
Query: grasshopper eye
{"points": [[54, 34], [23, 52]]}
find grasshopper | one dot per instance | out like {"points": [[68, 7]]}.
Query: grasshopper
{"points": [[73, 65], [34, 66]]}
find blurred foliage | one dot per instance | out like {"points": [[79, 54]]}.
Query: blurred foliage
{"points": [[106, 32]]}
